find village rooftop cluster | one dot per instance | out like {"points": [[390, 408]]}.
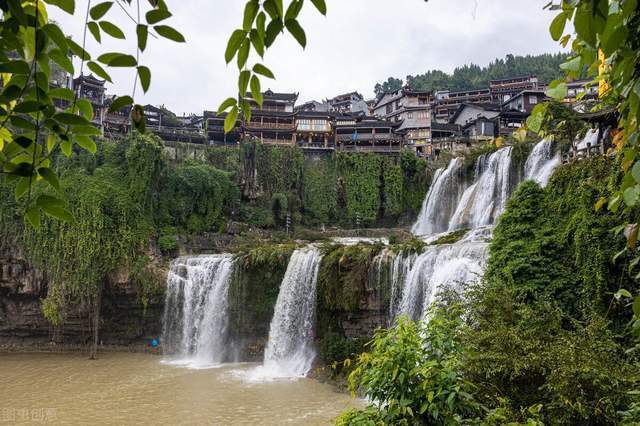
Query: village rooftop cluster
{"points": [[421, 121]]}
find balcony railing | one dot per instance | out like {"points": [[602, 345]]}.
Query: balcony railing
{"points": [[356, 148], [268, 125]]}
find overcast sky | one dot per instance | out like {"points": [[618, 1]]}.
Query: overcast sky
{"points": [[358, 43]]}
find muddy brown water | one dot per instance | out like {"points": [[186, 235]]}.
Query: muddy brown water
{"points": [[127, 388]]}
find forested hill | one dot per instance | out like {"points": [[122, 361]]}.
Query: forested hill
{"points": [[546, 67]]}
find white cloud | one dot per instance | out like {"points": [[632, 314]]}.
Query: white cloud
{"points": [[359, 43]]}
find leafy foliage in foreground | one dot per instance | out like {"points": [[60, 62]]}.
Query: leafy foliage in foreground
{"points": [[546, 336]]}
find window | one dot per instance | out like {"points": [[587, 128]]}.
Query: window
{"points": [[423, 114], [533, 99], [410, 115], [389, 108]]}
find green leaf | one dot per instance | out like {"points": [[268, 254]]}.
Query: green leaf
{"points": [[142, 31], [22, 187], [256, 92], [297, 32], [622, 293], [228, 103], [22, 123], [145, 77], [320, 5], [230, 120], [54, 207], [95, 31], [234, 44], [273, 30], [250, 12], [243, 82], [122, 61], [99, 71], [535, 120], [100, 9], [630, 195], [243, 53], [635, 171], [257, 41], [262, 70], [28, 106], [62, 60], [156, 15], [70, 119], [557, 26], [62, 93], [170, 33], [77, 50], [68, 6], [65, 147], [574, 64], [86, 143], [112, 30], [15, 67], [557, 90], [293, 10], [261, 25], [584, 25], [120, 103], [49, 176], [636, 306], [85, 108], [33, 216], [246, 109], [55, 33]]}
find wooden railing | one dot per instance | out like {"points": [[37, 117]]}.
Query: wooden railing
{"points": [[267, 125], [582, 153], [356, 148]]}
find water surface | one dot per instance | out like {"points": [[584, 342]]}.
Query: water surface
{"points": [[123, 388]]}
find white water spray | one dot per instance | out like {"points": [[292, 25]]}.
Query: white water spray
{"points": [[195, 321], [542, 162], [290, 352]]}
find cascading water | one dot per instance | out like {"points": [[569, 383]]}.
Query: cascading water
{"points": [[195, 317], [444, 266], [441, 200], [542, 162], [485, 199], [290, 352], [389, 271], [590, 139]]}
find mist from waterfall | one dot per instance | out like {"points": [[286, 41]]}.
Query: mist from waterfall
{"points": [[542, 162], [195, 321], [290, 351]]}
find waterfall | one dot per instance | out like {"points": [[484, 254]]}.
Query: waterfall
{"points": [[441, 267], [485, 199], [441, 200], [290, 352], [542, 162], [389, 271], [590, 139], [195, 317]]}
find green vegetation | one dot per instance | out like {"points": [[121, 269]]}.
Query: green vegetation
{"points": [[119, 199], [546, 337], [546, 67], [327, 189], [35, 128]]}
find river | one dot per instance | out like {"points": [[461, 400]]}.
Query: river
{"points": [[128, 388]]}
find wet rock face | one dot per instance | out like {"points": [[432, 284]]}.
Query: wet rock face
{"points": [[21, 288], [125, 320], [18, 278]]}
